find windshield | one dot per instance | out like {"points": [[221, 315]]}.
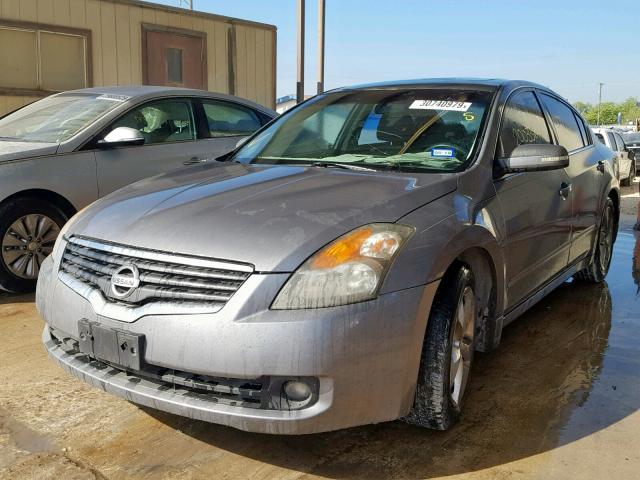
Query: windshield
{"points": [[631, 137], [433, 130], [56, 119]]}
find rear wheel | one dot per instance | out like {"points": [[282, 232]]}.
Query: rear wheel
{"points": [[28, 230], [447, 353], [598, 267]]}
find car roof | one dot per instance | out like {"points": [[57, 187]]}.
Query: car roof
{"points": [[145, 92], [483, 83]]}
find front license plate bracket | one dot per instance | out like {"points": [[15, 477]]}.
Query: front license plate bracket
{"points": [[118, 347]]}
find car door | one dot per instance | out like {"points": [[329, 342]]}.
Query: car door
{"points": [[625, 161], [536, 205], [225, 123], [570, 132], [168, 126]]}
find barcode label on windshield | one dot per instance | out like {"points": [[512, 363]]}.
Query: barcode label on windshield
{"points": [[440, 105]]}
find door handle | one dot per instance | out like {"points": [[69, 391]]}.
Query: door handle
{"points": [[600, 166], [565, 190], [194, 160]]}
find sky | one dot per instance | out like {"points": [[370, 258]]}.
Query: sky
{"points": [[569, 46]]}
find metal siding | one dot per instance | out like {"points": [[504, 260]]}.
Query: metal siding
{"points": [[117, 51], [123, 44], [61, 12], [109, 46], [135, 32], [219, 78]]}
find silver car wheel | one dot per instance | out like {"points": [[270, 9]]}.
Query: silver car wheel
{"points": [[462, 347], [27, 242]]}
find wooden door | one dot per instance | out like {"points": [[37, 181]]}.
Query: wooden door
{"points": [[174, 57]]}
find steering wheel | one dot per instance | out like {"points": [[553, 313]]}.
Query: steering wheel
{"points": [[456, 148]]}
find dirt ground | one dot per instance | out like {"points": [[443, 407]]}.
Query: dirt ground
{"points": [[559, 399]]}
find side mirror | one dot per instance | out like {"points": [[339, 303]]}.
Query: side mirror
{"points": [[121, 137], [534, 158]]}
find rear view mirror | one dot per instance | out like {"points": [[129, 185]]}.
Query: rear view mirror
{"points": [[534, 158], [122, 137]]}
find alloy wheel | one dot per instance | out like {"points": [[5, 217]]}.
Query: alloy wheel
{"points": [[462, 347], [27, 242]]}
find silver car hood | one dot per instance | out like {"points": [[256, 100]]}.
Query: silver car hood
{"points": [[273, 217], [10, 150]]}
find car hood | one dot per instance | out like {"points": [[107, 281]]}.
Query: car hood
{"points": [[273, 217], [18, 150]]}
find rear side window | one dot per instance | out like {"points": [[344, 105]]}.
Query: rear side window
{"points": [[619, 142], [522, 123], [612, 141], [583, 131], [225, 119], [601, 138], [564, 122]]}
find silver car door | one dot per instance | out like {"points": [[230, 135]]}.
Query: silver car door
{"points": [[537, 206], [169, 129]]}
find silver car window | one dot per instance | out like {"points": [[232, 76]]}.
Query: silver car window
{"points": [[161, 121], [226, 119], [523, 123], [56, 119], [565, 123]]}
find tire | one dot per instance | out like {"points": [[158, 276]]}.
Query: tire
{"points": [[600, 261], [28, 229], [439, 397]]}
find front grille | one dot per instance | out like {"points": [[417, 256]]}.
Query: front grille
{"points": [[163, 277]]}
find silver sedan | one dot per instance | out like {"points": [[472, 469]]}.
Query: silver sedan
{"points": [[61, 153]]}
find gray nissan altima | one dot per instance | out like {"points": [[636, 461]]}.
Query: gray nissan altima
{"points": [[342, 266]]}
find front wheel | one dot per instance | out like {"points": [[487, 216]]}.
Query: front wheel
{"points": [[28, 231], [598, 267], [447, 353]]}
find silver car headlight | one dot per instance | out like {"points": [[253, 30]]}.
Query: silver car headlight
{"points": [[348, 270]]}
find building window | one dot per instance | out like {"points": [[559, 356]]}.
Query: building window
{"points": [[174, 65], [45, 59]]}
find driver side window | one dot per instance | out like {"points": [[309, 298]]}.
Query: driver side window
{"points": [[161, 121], [522, 123]]}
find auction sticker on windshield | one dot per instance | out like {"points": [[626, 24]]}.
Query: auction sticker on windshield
{"points": [[113, 98], [443, 152], [440, 105]]}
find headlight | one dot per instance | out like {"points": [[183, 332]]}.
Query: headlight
{"points": [[348, 270]]}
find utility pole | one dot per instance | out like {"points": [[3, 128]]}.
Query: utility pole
{"points": [[321, 16], [599, 101], [300, 79]]}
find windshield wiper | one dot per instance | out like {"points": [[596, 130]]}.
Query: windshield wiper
{"points": [[346, 166]]}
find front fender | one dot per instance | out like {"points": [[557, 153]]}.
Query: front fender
{"points": [[443, 233]]}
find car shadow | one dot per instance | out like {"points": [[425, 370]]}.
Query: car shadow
{"points": [[11, 298], [566, 369]]}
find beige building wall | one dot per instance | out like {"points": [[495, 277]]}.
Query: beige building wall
{"points": [[241, 55]]}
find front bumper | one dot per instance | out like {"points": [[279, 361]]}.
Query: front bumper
{"points": [[365, 356]]}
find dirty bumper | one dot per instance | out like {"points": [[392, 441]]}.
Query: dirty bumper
{"points": [[359, 376]]}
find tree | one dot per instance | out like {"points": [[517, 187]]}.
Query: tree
{"points": [[609, 111]]}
